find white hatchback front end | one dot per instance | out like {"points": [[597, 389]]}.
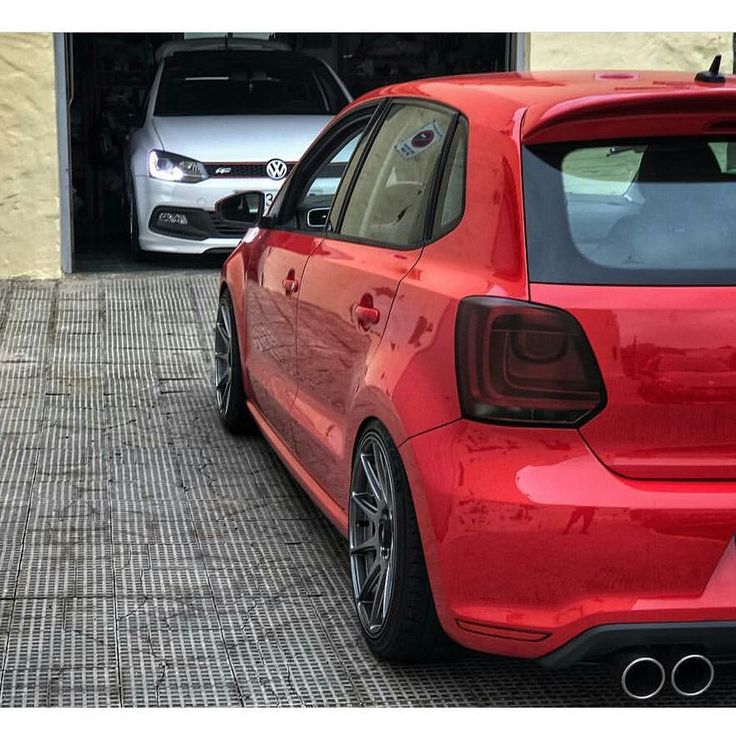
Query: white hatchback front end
{"points": [[182, 163]]}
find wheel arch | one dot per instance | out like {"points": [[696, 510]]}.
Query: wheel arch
{"points": [[423, 521], [233, 280], [420, 506]]}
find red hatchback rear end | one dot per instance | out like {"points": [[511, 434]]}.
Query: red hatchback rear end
{"points": [[556, 368], [594, 470]]}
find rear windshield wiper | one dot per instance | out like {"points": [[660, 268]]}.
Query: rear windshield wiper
{"points": [[613, 150]]}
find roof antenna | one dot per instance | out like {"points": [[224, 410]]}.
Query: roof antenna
{"points": [[713, 75]]}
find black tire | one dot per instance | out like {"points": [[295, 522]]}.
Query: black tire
{"points": [[134, 234], [230, 400], [410, 631]]}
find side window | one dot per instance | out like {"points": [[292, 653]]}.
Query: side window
{"points": [[725, 153], [389, 200], [451, 199], [342, 190], [324, 183], [312, 194]]}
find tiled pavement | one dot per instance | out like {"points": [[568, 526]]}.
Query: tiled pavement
{"points": [[148, 558]]}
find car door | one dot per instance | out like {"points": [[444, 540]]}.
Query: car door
{"points": [[278, 254], [378, 224]]}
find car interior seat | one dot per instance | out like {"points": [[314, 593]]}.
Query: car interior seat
{"points": [[673, 183]]}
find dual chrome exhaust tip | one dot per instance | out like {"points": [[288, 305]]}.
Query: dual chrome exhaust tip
{"points": [[643, 676], [692, 675]]}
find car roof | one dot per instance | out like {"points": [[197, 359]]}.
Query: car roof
{"points": [[218, 43], [546, 97]]}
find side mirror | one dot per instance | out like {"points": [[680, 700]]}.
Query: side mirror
{"points": [[246, 208]]}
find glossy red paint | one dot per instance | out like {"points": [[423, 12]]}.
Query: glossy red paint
{"points": [[335, 350], [275, 267], [668, 355], [538, 533], [526, 528]]}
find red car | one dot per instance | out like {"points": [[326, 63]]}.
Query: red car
{"points": [[442, 326]]}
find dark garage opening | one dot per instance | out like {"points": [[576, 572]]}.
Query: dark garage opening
{"points": [[109, 78]]}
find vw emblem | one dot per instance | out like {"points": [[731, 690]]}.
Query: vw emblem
{"points": [[276, 168]]}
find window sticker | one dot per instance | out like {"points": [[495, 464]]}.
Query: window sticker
{"points": [[420, 140]]}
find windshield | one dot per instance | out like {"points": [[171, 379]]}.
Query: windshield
{"points": [[246, 83], [654, 211]]}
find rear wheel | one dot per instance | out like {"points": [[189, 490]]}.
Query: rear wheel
{"points": [[228, 379], [391, 589]]}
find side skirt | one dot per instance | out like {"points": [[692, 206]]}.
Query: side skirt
{"points": [[333, 511]]}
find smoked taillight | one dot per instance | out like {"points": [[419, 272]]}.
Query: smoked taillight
{"points": [[522, 363]]}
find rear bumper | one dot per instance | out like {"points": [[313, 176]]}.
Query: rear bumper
{"points": [[530, 541], [715, 638]]}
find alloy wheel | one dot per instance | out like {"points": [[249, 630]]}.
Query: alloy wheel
{"points": [[223, 357], [372, 533]]}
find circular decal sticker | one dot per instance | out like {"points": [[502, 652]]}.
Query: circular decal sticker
{"points": [[422, 139]]}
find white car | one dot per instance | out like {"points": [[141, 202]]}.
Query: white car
{"points": [[223, 116]]}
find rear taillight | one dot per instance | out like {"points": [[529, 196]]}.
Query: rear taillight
{"points": [[523, 363]]}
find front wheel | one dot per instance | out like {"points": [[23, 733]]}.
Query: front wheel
{"points": [[133, 232], [391, 589], [229, 392]]}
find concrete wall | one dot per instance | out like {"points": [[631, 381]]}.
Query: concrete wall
{"points": [[672, 51], [29, 188]]}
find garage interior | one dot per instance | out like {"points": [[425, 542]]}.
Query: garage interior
{"points": [[109, 75]]}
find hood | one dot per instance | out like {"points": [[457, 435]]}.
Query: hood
{"points": [[239, 138]]}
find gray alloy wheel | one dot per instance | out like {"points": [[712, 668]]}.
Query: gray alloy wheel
{"points": [[372, 531], [228, 379], [223, 357], [391, 589]]}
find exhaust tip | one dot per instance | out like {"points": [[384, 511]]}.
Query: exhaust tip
{"points": [[643, 678], [692, 675]]}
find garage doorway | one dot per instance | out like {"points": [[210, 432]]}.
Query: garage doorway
{"points": [[108, 76]]}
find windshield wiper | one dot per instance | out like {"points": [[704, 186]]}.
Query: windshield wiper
{"points": [[614, 150]]}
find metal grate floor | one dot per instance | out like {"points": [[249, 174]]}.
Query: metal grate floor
{"points": [[148, 558]]}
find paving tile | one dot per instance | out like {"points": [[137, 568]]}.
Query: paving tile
{"points": [[39, 638], [55, 686]]}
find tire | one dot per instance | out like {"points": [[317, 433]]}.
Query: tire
{"points": [[134, 234], [228, 376], [401, 623]]}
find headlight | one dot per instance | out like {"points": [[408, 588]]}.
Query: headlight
{"points": [[171, 167]]}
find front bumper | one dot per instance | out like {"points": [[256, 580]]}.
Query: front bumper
{"points": [[530, 541], [200, 200]]}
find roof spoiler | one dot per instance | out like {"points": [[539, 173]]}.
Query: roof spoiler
{"points": [[677, 110]]}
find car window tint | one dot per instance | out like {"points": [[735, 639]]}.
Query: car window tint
{"points": [[344, 186], [328, 176], [656, 211], [389, 200], [451, 198], [725, 153], [601, 170], [316, 197], [245, 83]]}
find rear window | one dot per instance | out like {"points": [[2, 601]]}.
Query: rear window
{"points": [[651, 211], [246, 83]]}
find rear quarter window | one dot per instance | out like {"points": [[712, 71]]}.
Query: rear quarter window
{"points": [[388, 204]]}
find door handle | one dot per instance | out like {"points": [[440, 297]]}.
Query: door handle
{"points": [[290, 285], [366, 316]]}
